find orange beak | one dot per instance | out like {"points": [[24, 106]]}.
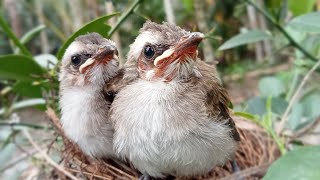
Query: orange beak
{"points": [[186, 46], [103, 56]]}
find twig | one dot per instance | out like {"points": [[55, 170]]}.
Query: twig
{"points": [[295, 97], [281, 29], [17, 160], [55, 120], [248, 172], [90, 174], [51, 144], [12, 124], [13, 140], [307, 128], [258, 72], [46, 157], [124, 17], [118, 170]]}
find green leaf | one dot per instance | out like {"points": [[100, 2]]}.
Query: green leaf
{"points": [[274, 4], [306, 23], [98, 25], [246, 38], [311, 105], [47, 61], [6, 153], [296, 116], [277, 8], [279, 105], [298, 7], [27, 89], [257, 105], [305, 112], [188, 5], [13, 37], [301, 163], [31, 34], [247, 116], [28, 103], [18, 67], [38, 102], [271, 86]]}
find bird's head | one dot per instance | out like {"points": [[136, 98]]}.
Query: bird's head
{"points": [[90, 59], [165, 52]]}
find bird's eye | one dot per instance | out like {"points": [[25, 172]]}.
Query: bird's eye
{"points": [[149, 51], [76, 60]]}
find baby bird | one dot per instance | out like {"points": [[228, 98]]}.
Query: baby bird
{"points": [[173, 118], [87, 65]]}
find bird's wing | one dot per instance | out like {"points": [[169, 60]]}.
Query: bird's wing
{"points": [[217, 96]]}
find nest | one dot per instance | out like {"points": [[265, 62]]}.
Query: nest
{"points": [[256, 151]]}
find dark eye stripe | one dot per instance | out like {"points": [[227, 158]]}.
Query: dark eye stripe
{"points": [[161, 48], [78, 59]]}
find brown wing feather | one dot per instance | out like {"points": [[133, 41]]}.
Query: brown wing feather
{"points": [[217, 96], [114, 85]]}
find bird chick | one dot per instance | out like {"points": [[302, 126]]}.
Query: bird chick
{"points": [[173, 118], [88, 63]]}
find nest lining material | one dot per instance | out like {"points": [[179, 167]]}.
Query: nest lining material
{"points": [[256, 151]]}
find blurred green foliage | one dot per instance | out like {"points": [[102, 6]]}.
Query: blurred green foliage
{"points": [[29, 71]]}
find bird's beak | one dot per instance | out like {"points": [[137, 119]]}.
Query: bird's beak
{"points": [[186, 46], [103, 55]]}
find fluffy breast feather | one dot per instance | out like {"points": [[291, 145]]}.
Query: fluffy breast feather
{"points": [[163, 128], [85, 120]]}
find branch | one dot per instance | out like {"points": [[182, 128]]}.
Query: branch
{"points": [[46, 156], [169, 11], [261, 170], [124, 17], [295, 97], [90, 174], [281, 29], [307, 128], [17, 161], [258, 72], [34, 126], [55, 120]]}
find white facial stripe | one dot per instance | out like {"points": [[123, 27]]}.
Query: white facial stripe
{"points": [[141, 40], [85, 64], [165, 54], [74, 48]]}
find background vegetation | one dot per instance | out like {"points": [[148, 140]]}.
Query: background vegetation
{"points": [[267, 53]]}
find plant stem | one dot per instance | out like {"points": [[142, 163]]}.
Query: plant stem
{"points": [[34, 126], [294, 84], [13, 37], [124, 17], [295, 97], [278, 141], [282, 30]]}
